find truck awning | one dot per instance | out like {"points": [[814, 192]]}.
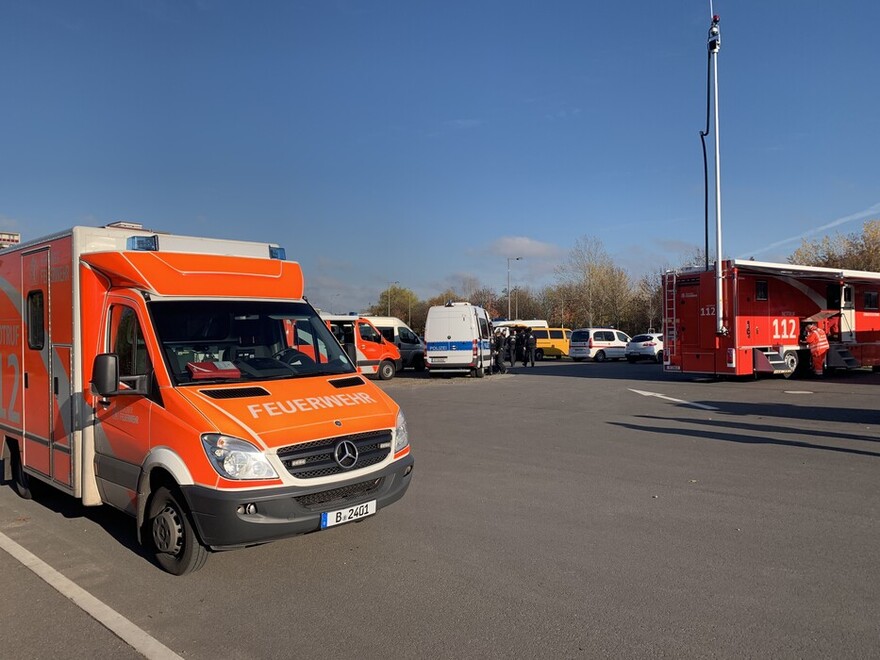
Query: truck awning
{"points": [[812, 272]]}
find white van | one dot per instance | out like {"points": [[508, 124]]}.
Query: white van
{"points": [[597, 344], [412, 349], [458, 338]]}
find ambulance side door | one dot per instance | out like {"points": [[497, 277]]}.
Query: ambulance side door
{"points": [[369, 343], [36, 364]]}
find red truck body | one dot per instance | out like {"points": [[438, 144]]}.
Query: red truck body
{"points": [[765, 309]]}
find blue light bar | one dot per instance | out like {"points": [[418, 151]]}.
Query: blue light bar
{"points": [[143, 243], [277, 253]]}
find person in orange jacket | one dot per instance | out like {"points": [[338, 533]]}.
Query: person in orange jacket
{"points": [[818, 342]]}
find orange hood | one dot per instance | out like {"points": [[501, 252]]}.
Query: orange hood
{"points": [[280, 413]]}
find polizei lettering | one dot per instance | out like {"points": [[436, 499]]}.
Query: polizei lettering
{"points": [[291, 406]]}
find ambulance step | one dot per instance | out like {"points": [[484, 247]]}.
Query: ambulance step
{"points": [[840, 357]]}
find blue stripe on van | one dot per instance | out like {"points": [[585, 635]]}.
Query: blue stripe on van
{"points": [[450, 345]]}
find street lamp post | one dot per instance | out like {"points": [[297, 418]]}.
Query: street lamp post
{"points": [[390, 284], [509, 259]]}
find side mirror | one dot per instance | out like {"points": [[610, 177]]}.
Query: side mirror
{"points": [[106, 381], [105, 374]]}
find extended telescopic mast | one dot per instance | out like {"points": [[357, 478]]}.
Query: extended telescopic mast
{"points": [[714, 45]]}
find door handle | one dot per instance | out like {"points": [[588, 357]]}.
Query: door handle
{"points": [[55, 385]]}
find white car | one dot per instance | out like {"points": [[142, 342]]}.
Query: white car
{"points": [[598, 344], [648, 346]]}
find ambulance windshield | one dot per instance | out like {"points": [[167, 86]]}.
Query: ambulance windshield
{"points": [[222, 340]]}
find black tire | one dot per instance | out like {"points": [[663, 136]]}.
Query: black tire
{"points": [[599, 357], [418, 363], [386, 370], [539, 354], [578, 359], [20, 483], [631, 359], [792, 360], [170, 535], [659, 357], [479, 372]]}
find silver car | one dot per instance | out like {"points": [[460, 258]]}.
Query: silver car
{"points": [[648, 346]]}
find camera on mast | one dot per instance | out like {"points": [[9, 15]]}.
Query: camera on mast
{"points": [[715, 35]]}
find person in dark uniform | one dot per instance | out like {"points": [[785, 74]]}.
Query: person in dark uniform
{"points": [[498, 346], [511, 348], [529, 348]]}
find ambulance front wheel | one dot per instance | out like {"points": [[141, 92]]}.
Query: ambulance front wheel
{"points": [[386, 370], [171, 536]]}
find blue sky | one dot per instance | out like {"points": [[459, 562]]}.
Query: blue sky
{"points": [[426, 142]]}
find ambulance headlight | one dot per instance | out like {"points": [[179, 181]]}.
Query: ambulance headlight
{"points": [[401, 435], [236, 459]]}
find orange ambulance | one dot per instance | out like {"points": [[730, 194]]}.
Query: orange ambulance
{"points": [[375, 355], [187, 382]]}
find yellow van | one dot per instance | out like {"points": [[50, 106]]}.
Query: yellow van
{"points": [[551, 342]]}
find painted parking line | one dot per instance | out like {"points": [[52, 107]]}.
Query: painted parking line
{"points": [[135, 637], [701, 406]]}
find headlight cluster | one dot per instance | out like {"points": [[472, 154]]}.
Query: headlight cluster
{"points": [[236, 459], [401, 435]]}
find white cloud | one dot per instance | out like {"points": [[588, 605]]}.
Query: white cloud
{"points": [[522, 246]]}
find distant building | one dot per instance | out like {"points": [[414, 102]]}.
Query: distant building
{"points": [[9, 238]]}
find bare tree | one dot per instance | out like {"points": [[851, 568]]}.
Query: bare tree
{"points": [[581, 273], [857, 251]]}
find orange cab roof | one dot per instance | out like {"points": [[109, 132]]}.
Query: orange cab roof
{"points": [[187, 274]]}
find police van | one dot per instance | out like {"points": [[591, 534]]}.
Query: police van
{"points": [[458, 337]]}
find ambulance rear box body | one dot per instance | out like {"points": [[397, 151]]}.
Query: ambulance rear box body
{"points": [[187, 382]]}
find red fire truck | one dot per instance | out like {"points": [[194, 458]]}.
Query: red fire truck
{"points": [[758, 327]]}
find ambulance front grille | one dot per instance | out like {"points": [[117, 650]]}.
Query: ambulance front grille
{"points": [[340, 494], [309, 460]]}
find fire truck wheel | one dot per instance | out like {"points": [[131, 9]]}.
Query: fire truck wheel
{"points": [[599, 357], [791, 362], [20, 483], [171, 536]]}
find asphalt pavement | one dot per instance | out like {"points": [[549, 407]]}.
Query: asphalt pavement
{"points": [[565, 510]]}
